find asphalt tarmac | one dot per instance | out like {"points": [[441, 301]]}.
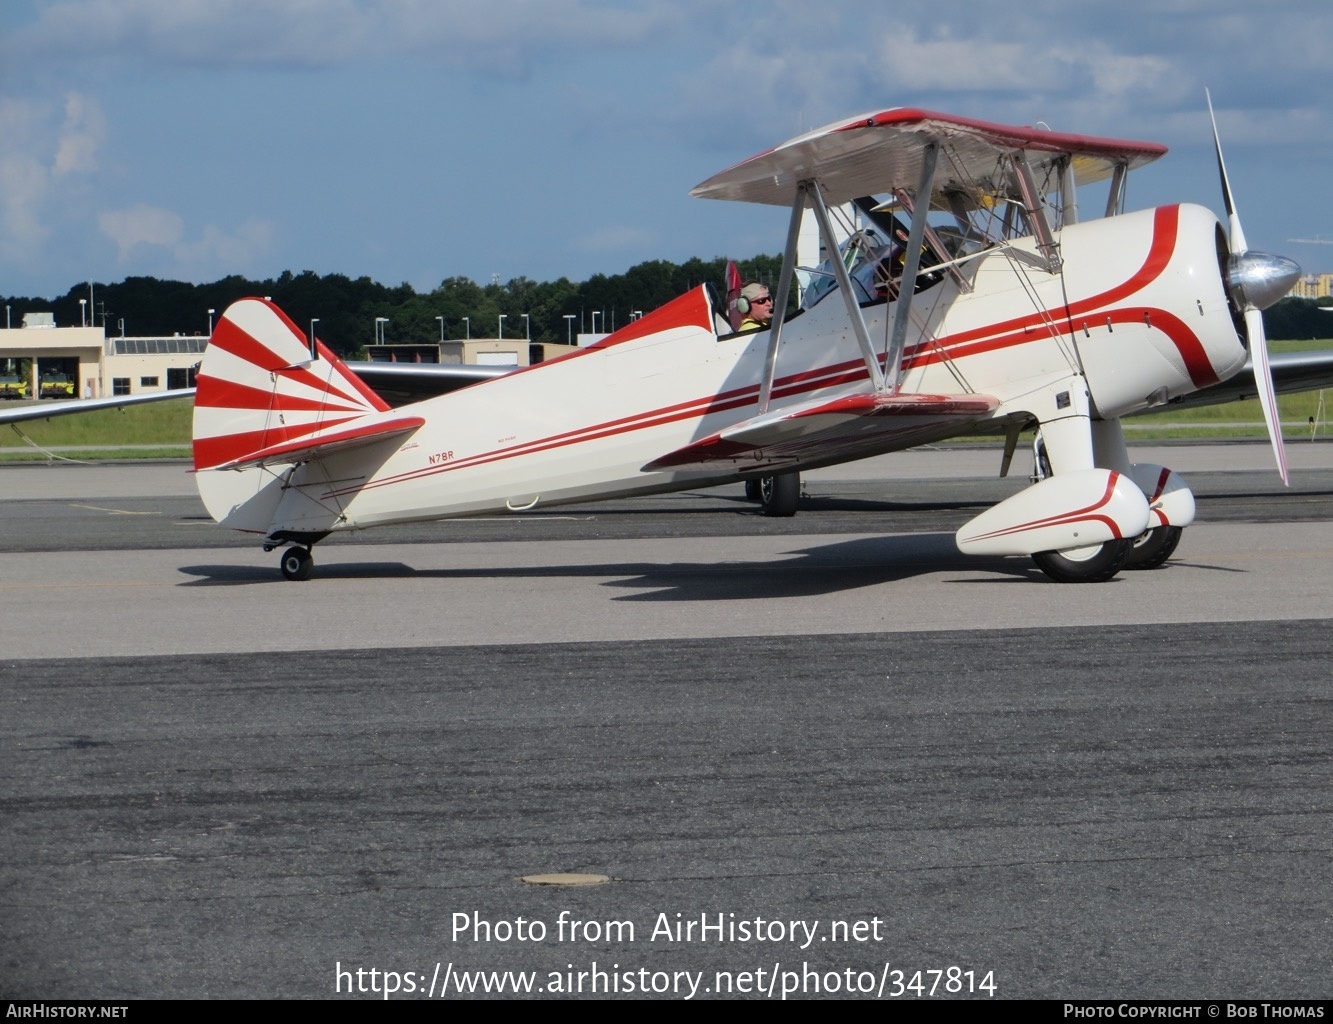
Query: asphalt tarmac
{"points": [[809, 756]]}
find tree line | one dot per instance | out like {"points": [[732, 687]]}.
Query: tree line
{"points": [[347, 308]]}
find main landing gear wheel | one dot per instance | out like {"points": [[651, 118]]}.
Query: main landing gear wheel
{"points": [[779, 494], [297, 563], [1084, 565], [1153, 547]]}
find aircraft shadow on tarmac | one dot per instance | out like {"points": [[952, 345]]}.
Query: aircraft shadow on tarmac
{"points": [[823, 569]]}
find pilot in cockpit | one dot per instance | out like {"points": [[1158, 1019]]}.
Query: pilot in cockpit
{"points": [[757, 306]]}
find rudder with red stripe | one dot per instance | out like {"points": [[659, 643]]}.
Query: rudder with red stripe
{"points": [[259, 386]]}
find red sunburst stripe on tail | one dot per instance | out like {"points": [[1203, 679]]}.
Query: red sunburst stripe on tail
{"points": [[214, 393], [231, 338], [356, 383], [214, 451]]}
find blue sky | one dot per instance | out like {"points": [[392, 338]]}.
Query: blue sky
{"points": [[414, 140]]}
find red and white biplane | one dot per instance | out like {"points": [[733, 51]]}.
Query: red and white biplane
{"points": [[978, 299], [975, 297]]}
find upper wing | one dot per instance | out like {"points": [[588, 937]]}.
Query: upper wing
{"points": [[880, 152], [834, 430]]}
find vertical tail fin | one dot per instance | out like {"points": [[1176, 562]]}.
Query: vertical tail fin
{"points": [[259, 385]]}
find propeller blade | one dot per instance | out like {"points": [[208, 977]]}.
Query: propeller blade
{"points": [[1263, 382], [1262, 273], [1237, 235]]}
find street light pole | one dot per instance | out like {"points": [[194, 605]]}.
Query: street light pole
{"points": [[569, 328], [527, 327], [467, 326], [441, 319], [83, 312], [210, 322], [502, 325]]}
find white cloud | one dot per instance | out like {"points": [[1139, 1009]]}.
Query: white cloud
{"points": [[215, 250], [42, 161], [219, 251], [504, 36], [141, 225], [81, 135]]}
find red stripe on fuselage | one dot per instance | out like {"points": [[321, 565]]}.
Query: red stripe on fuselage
{"points": [[1006, 334], [1024, 329]]}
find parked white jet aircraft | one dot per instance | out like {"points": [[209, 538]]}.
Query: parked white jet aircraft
{"points": [[979, 301]]}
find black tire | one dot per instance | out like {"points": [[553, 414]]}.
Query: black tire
{"points": [[1097, 567], [752, 491], [779, 494], [1153, 547], [297, 564]]}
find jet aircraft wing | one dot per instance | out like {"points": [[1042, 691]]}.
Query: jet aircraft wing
{"points": [[45, 410], [831, 430], [1292, 372], [880, 152], [404, 383]]}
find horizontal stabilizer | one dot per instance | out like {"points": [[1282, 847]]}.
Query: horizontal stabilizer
{"points": [[830, 430], [308, 448]]}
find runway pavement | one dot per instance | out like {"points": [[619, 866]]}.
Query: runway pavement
{"points": [[834, 746]]}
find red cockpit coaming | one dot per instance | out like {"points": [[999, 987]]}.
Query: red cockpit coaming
{"points": [[644, 327], [689, 310]]}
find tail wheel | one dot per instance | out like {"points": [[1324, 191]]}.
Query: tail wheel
{"points": [[779, 493], [1153, 547], [1084, 565], [297, 563]]}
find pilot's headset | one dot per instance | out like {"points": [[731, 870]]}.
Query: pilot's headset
{"points": [[750, 291]]}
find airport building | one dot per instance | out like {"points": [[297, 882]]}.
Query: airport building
{"points": [[472, 352], [1313, 286], [41, 360]]}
